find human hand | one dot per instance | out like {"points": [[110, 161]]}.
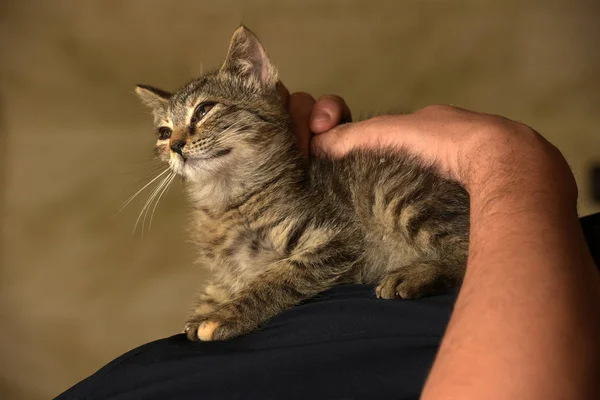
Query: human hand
{"points": [[523, 226], [310, 117], [465, 145], [473, 148]]}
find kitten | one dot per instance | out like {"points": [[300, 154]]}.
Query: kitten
{"points": [[275, 234]]}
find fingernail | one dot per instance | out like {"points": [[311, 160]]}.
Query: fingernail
{"points": [[320, 116]]}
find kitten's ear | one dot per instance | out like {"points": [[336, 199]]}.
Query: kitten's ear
{"points": [[156, 99], [248, 59]]}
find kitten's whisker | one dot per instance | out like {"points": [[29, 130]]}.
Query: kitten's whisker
{"points": [[145, 206], [160, 195], [232, 126], [140, 191], [154, 195], [249, 119], [151, 170], [271, 124]]}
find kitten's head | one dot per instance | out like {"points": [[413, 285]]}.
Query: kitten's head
{"points": [[226, 121]]}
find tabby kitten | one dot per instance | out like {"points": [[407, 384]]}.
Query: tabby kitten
{"points": [[275, 234]]}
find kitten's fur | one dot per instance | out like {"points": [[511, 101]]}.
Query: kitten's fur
{"points": [[275, 234]]}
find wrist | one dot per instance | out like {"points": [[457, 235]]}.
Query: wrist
{"points": [[520, 165]]}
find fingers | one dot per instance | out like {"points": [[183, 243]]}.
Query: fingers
{"points": [[328, 112], [300, 106], [332, 143], [377, 132], [310, 117], [343, 138]]}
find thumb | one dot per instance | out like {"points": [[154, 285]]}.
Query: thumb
{"points": [[329, 111], [340, 140]]}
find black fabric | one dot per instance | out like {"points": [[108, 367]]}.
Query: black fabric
{"points": [[591, 229], [344, 344]]}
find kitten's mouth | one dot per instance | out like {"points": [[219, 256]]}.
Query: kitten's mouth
{"points": [[177, 163]]}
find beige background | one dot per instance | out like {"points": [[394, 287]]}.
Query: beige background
{"points": [[76, 288]]}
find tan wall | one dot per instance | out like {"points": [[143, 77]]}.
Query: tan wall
{"points": [[76, 288]]}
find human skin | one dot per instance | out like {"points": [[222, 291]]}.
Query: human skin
{"points": [[526, 324]]}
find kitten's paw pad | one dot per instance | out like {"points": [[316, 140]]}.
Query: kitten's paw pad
{"points": [[206, 330], [211, 328], [201, 330]]}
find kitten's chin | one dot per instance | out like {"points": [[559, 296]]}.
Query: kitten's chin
{"points": [[189, 169], [177, 164], [197, 169]]}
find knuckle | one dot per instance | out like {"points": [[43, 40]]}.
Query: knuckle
{"points": [[333, 97], [438, 109]]}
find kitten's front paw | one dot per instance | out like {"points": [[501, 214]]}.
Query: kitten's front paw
{"points": [[411, 282], [210, 328], [203, 330], [395, 286]]}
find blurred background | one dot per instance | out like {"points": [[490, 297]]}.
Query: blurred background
{"points": [[77, 289]]}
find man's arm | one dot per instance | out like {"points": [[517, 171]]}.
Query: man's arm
{"points": [[527, 320], [526, 323]]}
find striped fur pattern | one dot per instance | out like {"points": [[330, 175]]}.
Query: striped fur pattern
{"points": [[274, 233]]}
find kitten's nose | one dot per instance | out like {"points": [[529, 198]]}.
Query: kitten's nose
{"points": [[177, 146]]}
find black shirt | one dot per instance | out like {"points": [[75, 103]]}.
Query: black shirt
{"points": [[344, 344]]}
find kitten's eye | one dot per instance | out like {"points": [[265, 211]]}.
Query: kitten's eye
{"points": [[201, 111], [164, 133]]}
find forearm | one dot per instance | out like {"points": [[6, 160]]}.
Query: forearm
{"points": [[526, 322]]}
